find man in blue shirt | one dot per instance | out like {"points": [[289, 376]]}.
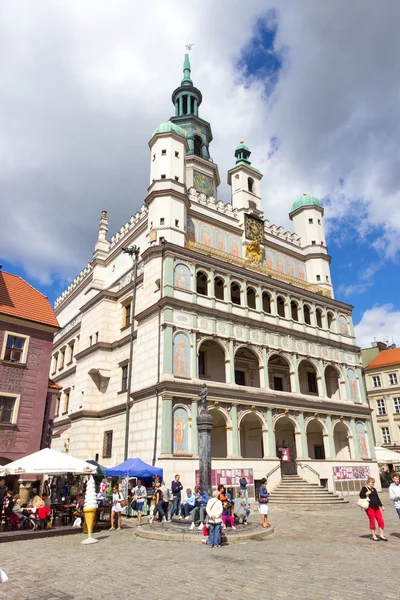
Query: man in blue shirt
{"points": [[199, 510]]}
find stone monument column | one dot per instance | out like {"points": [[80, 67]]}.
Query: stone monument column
{"points": [[204, 426]]}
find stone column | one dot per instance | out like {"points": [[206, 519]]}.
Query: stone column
{"points": [[166, 425], [231, 365], [327, 448], [265, 363], [294, 375], [235, 431], [328, 423], [265, 438], [195, 441], [323, 382], [299, 444], [204, 423], [303, 437], [271, 435]]}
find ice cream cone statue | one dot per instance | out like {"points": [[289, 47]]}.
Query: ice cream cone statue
{"points": [[90, 510]]}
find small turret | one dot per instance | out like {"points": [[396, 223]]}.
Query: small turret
{"points": [[245, 181], [307, 215], [102, 245]]}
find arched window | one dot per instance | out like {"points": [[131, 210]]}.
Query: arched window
{"points": [[219, 288], [251, 297], [330, 320], [250, 184], [266, 302], [294, 310], [307, 314], [281, 306], [197, 145], [235, 293], [318, 317], [308, 378], [201, 283], [246, 368]]}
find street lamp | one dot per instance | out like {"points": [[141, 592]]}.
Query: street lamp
{"points": [[133, 251]]}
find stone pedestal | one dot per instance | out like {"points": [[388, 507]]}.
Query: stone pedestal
{"points": [[204, 426]]}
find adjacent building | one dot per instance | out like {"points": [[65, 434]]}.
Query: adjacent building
{"points": [[223, 296], [27, 397], [382, 379]]}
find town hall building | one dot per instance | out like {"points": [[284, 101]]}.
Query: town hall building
{"points": [[222, 297]]}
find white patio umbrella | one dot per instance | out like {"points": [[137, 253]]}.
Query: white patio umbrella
{"points": [[384, 455], [49, 462]]}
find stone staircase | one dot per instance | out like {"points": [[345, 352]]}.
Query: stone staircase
{"points": [[293, 490]]}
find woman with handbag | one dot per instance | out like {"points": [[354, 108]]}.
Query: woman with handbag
{"points": [[118, 501], [263, 503], [372, 505]]}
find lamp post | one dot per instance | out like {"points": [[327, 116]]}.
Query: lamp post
{"points": [[133, 251]]}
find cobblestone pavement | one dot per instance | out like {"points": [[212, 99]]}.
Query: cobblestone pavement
{"points": [[315, 554]]}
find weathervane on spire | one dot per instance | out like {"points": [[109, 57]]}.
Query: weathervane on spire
{"points": [[189, 47]]}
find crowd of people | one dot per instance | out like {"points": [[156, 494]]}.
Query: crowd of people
{"points": [[20, 512]]}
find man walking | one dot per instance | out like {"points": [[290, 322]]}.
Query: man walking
{"points": [[394, 492], [176, 489], [139, 494]]}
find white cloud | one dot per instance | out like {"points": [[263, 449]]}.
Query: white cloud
{"points": [[84, 84], [379, 323]]}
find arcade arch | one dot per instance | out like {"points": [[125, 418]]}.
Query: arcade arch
{"points": [[279, 373], [332, 383], [211, 361], [341, 439], [247, 368], [315, 440], [308, 378], [251, 441], [219, 444]]}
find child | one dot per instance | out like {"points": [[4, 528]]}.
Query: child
{"points": [[227, 516]]}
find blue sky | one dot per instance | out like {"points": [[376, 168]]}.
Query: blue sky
{"points": [[301, 84]]}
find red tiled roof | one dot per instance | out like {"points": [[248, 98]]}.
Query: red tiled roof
{"points": [[386, 358], [19, 299], [53, 385]]}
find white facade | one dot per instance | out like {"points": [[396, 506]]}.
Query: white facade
{"points": [[222, 297]]}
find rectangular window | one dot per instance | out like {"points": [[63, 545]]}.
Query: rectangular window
{"points": [[278, 384], [318, 277], [66, 402], [162, 240], [61, 359], [163, 153], [385, 435], [124, 378], [380, 406], [96, 336], [14, 348], [376, 380], [313, 242], [163, 176], [396, 404], [107, 444], [90, 340], [202, 363], [58, 402], [240, 377], [319, 222], [162, 221], [127, 314], [176, 178], [176, 222], [310, 221], [71, 351], [392, 379], [176, 154], [312, 382], [7, 404]]}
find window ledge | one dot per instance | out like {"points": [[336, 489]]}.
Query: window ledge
{"points": [[124, 328], [10, 363], [8, 425], [122, 392], [69, 363]]}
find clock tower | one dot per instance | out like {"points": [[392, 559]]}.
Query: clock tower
{"points": [[201, 171]]}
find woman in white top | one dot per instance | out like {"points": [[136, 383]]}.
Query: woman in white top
{"points": [[116, 508]]}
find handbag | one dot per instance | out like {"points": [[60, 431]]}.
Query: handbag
{"points": [[134, 505], [263, 500], [123, 503], [363, 503]]}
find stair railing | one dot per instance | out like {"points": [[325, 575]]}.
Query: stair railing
{"points": [[273, 471], [310, 469]]}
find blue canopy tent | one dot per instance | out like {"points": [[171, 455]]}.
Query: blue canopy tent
{"points": [[134, 467]]}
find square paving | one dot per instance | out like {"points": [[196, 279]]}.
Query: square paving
{"points": [[313, 554]]}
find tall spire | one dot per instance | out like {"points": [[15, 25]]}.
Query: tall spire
{"points": [[186, 81]]}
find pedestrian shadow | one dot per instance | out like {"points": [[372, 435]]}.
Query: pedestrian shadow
{"points": [[366, 537], [395, 535]]}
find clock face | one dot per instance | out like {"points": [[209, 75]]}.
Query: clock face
{"points": [[254, 229], [203, 183]]}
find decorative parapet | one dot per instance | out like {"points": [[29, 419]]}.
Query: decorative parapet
{"points": [[67, 328], [254, 266], [281, 233], [129, 225], [195, 196], [82, 275]]}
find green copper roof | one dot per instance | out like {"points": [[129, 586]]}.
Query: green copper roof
{"points": [[242, 146], [244, 163], [186, 81], [169, 127], [305, 200]]}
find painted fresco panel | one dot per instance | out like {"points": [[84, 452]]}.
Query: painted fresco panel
{"points": [[343, 325], [352, 377], [362, 440], [182, 276], [180, 438], [181, 355]]}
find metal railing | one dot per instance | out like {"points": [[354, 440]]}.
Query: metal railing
{"points": [[273, 471], [310, 468]]}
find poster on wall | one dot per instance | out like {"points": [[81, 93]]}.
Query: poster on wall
{"points": [[284, 454], [228, 477], [350, 473]]}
